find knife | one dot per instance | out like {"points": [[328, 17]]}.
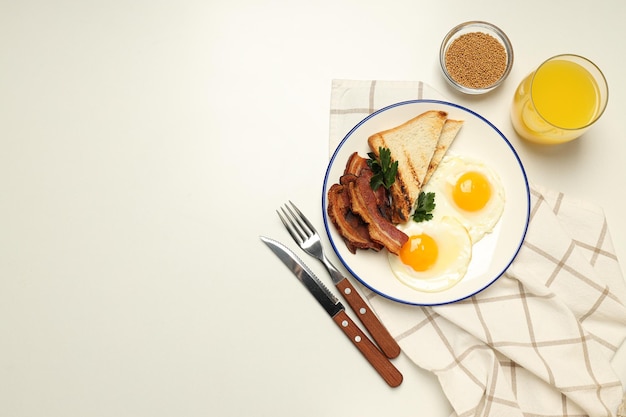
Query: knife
{"points": [[337, 312]]}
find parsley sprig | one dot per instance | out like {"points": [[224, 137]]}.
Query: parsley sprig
{"points": [[424, 206], [384, 169]]}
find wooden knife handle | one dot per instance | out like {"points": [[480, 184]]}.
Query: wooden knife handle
{"points": [[375, 357], [379, 332]]}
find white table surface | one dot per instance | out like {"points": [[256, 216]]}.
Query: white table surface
{"points": [[144, 146]]}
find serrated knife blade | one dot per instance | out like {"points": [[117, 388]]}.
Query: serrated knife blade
{"points": [[337, 312], [322, 294]]}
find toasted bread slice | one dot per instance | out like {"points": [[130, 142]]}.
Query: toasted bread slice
{"points": [[448, 133], [412, 144]]}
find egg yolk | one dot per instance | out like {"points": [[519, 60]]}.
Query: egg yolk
{"points": [[419, 252], [472, 191]]}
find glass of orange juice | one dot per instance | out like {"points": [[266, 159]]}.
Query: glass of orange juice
{"points": [[560, 100]]}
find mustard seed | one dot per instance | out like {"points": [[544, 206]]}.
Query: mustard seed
{"points": [[476, 60]]}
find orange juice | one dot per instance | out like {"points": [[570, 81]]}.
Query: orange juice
{"points": [[559, 101], [565, 94]]}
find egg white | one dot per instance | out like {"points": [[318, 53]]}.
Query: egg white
{"points": [[442, 183], [455, 253]]}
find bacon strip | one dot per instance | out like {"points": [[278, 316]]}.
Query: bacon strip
{"points": [[355, 164], [364, 203], [354, 167], [349, 225]]}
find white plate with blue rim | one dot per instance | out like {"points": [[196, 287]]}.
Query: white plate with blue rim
{"points": [[491, 256]]}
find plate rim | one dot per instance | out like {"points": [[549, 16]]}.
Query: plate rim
{"points": [[443, 103]]}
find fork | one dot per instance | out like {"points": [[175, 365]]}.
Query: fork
{"points": [[305, 235]]}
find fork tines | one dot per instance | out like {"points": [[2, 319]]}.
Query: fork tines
{"points": [[296, 223]]}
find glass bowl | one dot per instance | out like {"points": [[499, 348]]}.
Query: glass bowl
{"points": [[475, 57]]}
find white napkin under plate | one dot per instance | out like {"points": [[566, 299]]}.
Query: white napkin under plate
{"points": [[539, 341]]}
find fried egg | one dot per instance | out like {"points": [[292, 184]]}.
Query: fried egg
{"points": [[469, 191], [435, 257]]}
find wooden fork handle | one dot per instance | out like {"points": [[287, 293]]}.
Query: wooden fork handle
{"points": [[379, 332], [380, 362]]}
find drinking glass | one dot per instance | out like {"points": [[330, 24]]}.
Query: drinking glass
{"points": [[560, 100]]}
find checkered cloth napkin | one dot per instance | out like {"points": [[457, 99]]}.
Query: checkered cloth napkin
{"points": [[538, 342]]}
